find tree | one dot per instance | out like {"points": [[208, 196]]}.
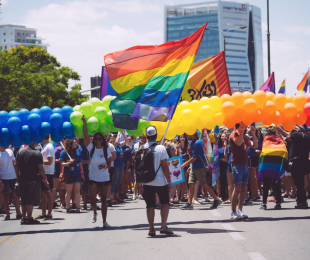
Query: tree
{"points": [[30, 78]]}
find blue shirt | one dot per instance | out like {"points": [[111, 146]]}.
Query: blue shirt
{"points": [[251, 151], [74, 168], [119, 161], [229, 154], [84, 156], [221, 153], [196, 148], [127, 156]]}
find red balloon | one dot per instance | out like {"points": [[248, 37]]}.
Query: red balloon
{"points": [[307, 109], [308, 97], [308, 121]]}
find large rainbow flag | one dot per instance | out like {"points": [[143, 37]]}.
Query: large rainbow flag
{"points": [[150, 79], [272, 158], [303, 85], [282, 88]]}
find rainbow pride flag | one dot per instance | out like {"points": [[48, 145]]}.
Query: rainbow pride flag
{"points": [[282, 88], [303, 85], [150, 79], [272, 158], [269, 85]]}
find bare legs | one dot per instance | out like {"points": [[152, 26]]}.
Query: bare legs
{"points": [[6, 199], [46, 200], [253, 182], [239, 189], [164, 212], [230, 182]]}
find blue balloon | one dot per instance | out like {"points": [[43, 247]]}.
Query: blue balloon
{"points": [[70, 137], [56, 135], [14, 124], [66, 111], [46, 128], [5, 134], [57, 110], [34, 120], [13, 113], [37, 137], [28, 141], [67, 128], [16, 140], [26, 131], [56, 120], [4, 143], [35, 110], [23, 115], [45, 113], [4, 117]]}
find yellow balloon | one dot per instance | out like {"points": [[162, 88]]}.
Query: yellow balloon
{"points": [[195, 105], [210, 124], [219, 119], [216, 104], [204, 101], [159, 137], [170, 135], [159, 126]]}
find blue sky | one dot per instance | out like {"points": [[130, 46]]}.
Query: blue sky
{"points": [[81, 32]]}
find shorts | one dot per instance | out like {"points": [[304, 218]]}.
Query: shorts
{"points": [[287, 173], [9, 185], [199, 174], [253, 162], [229, 168], [30, 193], [85, 183], [74, 179], [149, 195], [99, 183], [240, 173], [50, 179], [112, 173]]}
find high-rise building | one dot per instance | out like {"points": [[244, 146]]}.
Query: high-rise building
{"points": [[95, 82], [241, 25], [15, 35]]}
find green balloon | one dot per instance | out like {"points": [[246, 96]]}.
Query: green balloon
{"points": [[143, 124], [77, 108], [92, 124], [87, 109], [76, 118], [106, 101], [95, 102], [125, 106], [101, 113], [92, 132], [104, 128], [78, 131], [136, 132]]}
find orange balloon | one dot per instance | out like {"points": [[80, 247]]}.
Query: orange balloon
{"points": [[228, 108], [237, 99], [260, 98], [219, 119], [225, 98], [270, 107], [289, 98], [279, 118], [288, 124], [270, 96], [229, 122], [250, 105], [301, 118], [239, 115], [247, 94], [289, 110], [279, 100], [300, 101], [248, 120], [260, 115], [269, 119], [256, 116]]}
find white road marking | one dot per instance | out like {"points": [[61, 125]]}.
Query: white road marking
{"points": [[230, 230], [215, 213], [256, 256]]}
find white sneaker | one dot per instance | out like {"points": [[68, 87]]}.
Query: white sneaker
{"points": [[133, 197], [94, 219], [241, 214], [235, 216], [106, 225], [140, 197]]}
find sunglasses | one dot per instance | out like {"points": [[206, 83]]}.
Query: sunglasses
{"points": [[98, 139]]}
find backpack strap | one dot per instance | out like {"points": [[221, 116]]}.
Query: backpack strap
{"points": [[152, 147]]}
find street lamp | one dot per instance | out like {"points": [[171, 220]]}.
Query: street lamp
{"points": [[224, 34]]}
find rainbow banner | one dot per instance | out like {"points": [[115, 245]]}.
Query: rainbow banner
{"points": [[272, 158], [150, 79], [207, 78], [282, 88], [105, 87], [269, 85], [303, 85]]}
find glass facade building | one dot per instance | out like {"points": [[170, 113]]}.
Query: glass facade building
{"points": [[243, 47]]}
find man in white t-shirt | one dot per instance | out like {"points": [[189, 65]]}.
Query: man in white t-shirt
{"points": [[48, 154], [8, 179], [138, 186], [160, 185]]}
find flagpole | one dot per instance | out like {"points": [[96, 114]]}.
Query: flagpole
{"points": [[162, 140]]}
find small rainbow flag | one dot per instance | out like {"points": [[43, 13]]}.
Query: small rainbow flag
{"points": [[282, 88], [303, 85]]}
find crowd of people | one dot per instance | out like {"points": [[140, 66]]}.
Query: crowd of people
{"points": [[76, 174]]}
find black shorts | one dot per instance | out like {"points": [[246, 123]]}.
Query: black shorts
{"points": [[50, 179], [30, 193], [9, 185], [149, 195], [229, 169], [85, 183], [253, 162], [99, 183], [112, 172]]}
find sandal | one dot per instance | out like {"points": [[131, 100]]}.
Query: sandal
{"points": [[24, 221], [152, 233], [32, 221], [62, 206], [113, 202], [77, 211], [70, 210], [196, 202], [166, 231], [227, 202], [171, 202]]}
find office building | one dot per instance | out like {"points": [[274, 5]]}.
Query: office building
{"points": [[243, 41], [95, 82], [15, 35]]}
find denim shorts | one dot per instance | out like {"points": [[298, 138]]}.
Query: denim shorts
{"points": [[9, 185], [240, 173], [74, 179]]}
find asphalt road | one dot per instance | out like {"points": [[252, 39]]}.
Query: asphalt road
{"points": [[201, 233]]}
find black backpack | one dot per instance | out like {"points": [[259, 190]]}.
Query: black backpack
{"points": [[144, 164]]}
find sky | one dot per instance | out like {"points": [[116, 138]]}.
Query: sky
{"points": [[81, 32]]}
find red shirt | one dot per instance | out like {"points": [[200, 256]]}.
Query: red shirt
{"points": [[239, 153]]}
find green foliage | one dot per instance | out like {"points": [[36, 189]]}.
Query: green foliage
{"points": [[30, 77]]}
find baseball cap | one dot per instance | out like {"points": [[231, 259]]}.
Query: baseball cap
{"points": [[151, 131]]}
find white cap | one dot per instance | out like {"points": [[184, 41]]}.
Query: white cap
{"points": [[151, 131]]}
